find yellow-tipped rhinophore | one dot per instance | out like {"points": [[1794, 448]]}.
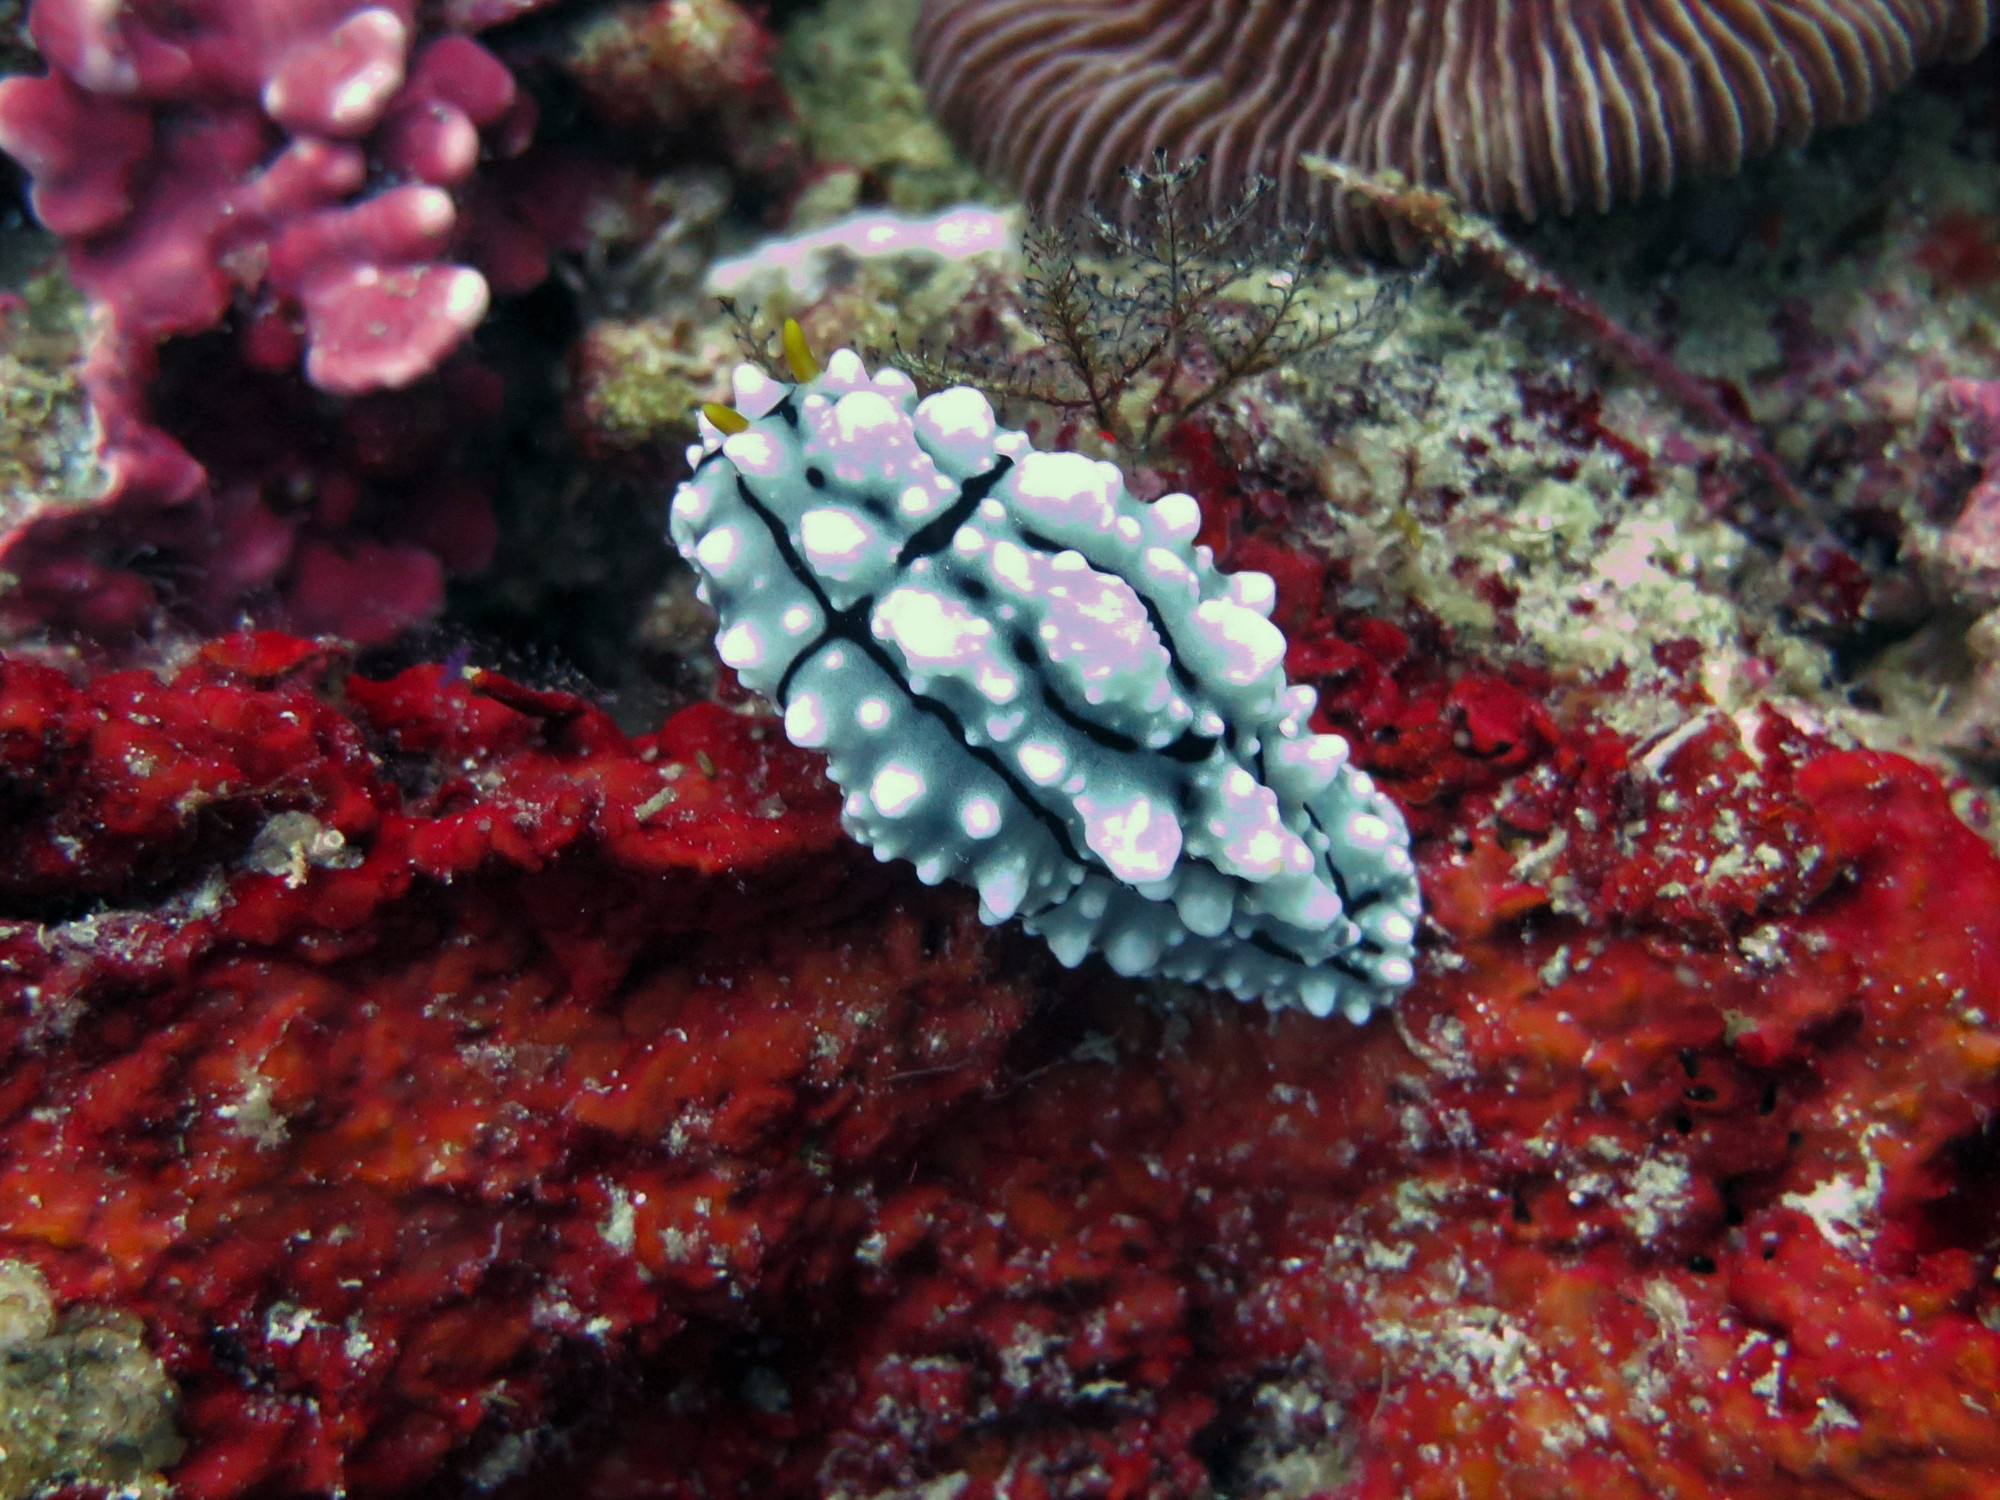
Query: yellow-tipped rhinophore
{"points": [[727, 419], [798, 353]]}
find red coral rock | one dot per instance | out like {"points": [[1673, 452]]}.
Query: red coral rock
{"points": [[1603, 1211], [404, 1051], [449, 1080], [1961, 251]]}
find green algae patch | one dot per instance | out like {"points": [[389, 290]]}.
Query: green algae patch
{"points": [[48, 439], [83, 1401], [847, 69]]}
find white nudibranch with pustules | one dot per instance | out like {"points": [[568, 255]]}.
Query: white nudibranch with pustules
{"points": [[1028, 680]]}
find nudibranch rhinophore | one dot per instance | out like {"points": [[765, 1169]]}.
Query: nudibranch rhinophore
{"points": [[1026, 679]]}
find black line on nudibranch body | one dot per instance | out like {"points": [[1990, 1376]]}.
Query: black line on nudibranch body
{"points": [[787, 410], [1039, 542], [783, 691], [1332, 866], [1276, 949], [848, 625], [842, 624], [1057, 829], [1097, 734], [1105, 739], [1350, 904], [943, 714], [1182, 675], [935, 535], [782, 540]]}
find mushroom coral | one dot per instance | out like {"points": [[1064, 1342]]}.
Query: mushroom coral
{"points": [[1517, 106]]}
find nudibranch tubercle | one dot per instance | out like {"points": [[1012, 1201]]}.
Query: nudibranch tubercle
{"points": [[1026, 679]]}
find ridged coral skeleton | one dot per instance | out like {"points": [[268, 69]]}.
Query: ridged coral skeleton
{"points": [[1025, 678], [1524, 107]]}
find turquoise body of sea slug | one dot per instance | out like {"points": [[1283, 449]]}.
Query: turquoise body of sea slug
{"points": [[1026, 679]]}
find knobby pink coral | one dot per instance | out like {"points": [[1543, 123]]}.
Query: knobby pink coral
{"points": [[1518, 108], [305, 173], [297, 156]]}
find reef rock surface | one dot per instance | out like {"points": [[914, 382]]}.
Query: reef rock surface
{"points": [[452, 1084], [417, 1083]]}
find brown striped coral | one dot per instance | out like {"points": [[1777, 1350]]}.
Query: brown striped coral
{"points": [[1518, 106]]}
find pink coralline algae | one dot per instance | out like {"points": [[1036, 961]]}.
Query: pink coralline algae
{"points": [[344, 518], [151, 144], [296, 170]]}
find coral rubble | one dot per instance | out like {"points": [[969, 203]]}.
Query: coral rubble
{"points": [[656, 66], [863, 114], [82, 1400]]}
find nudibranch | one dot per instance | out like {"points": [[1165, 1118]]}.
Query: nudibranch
{"points": [[1026, 679]]}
